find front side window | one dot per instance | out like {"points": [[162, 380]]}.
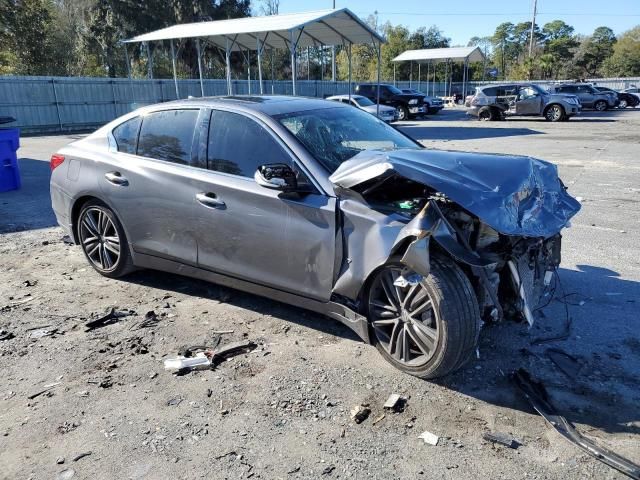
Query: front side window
{"points": [[126, 135], [239, 145], [334, 135], [168, 135], [527, 92]]}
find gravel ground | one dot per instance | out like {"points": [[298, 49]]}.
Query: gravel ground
{"points": [[283, 410]]}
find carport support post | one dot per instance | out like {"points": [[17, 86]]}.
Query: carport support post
{"points": [[464, 79], [149, 61], [200, 66], [349, 54], [173, 63], [259, 45], [126, 59], [293, 47], [227, 59], [411, 74], [249, 71], [428, 77], [394, 74], [419, 85], [378, 82]]}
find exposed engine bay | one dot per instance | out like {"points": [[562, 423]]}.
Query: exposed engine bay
{"points": [[506, 238]]}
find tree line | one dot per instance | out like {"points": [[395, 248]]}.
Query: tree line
{"points": [[83, 38]]}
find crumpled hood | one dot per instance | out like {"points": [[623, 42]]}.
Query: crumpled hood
{"points": [[514, 195]]}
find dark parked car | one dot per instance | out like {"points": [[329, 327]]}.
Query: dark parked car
{"points": [[409, 105], [625, 99], [433, 104], [589, 97], [321, 205]]}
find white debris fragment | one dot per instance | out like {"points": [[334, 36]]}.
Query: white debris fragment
{"points": [[429, 438], [392, 401], [180, 362]]}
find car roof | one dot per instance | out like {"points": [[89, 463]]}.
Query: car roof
{"points": [[266, 104], [345, 96]]}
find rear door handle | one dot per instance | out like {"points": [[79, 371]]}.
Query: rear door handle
{"points": [[210, 200], [116, 178]]}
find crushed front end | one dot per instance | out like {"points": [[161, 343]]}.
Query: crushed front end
{"points": [[499, 217]]}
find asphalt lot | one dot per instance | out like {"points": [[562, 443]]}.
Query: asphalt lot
{"points": [[283, 410]]}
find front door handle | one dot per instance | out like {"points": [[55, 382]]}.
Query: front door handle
{"points": [[116, 178], [210, 200]]}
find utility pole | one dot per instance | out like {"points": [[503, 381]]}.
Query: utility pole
{"points": [[533, 25]]}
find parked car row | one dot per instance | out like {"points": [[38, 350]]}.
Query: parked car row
{"points": [[395, 104], [559, 103]]}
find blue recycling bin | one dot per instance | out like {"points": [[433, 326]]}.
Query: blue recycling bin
{"points": [[9, 171]]}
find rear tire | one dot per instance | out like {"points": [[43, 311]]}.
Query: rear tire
{"points": [[103, 240], [623, 104], [600, 106], [486, 114], [439, 320]]}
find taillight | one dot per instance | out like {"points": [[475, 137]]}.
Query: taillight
{"points": [[56, 161]]}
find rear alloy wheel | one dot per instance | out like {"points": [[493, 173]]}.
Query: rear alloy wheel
{"points": [[403, 113], [600, 105], [554, 113], [623, 103], [103, 240], [428, 329]]}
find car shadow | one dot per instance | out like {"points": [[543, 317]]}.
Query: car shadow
{"points": [[463, 133], [604, 390], [265, 306], [29, 207]]}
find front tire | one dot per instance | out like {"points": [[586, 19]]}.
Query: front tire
{"points": [[403, 113], [103, 240], [623, 103], [429, 329], [554, 113]]}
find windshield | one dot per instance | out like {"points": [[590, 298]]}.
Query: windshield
{"points": [[334, 135], [394, 90], [363, 101]]}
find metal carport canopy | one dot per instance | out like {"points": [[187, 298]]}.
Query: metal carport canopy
{"points": [[287, 31], [446, 55], [461, 54]]}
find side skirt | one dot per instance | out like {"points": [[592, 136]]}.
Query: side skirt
{"points": [[356, 322]]}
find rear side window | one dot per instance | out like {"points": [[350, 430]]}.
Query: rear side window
{"points": [[568, 89], [126, 135], [490, 92], [168, 135], [239, 145]]}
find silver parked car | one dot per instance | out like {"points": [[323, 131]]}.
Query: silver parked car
{"points": [[320, 205], [387, 114], [495, 102], [588, 95]]}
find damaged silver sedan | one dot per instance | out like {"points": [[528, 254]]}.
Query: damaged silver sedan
{"points": [[323, 206]]}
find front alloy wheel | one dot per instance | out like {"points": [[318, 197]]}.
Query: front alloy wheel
{"points": [[103, 241], [623, 103], [429, 328], [555, 113], [403, 113]]}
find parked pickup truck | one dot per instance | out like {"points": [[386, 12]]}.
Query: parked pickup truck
{"points": [[408, 105], [495, 102], [433, 104]]}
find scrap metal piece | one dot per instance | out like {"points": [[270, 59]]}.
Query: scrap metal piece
{"points": [[112, 317], [395, 402], [502, 439], [568, 364], [360, 413], [536, 394]]}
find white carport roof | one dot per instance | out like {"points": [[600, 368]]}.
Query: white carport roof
{"points": [[323, 27], [435, 55]]}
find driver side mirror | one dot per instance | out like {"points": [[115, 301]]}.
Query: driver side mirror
{"points": [[276, 176]]}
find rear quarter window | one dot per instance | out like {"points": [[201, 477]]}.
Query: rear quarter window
{"points": [[168, 135], [126, 135]]}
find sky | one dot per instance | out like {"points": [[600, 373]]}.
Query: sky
{"points": [[462, 19]]}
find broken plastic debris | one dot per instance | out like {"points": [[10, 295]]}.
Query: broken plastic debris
{"points": [[200, 360], [430, 438]]}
